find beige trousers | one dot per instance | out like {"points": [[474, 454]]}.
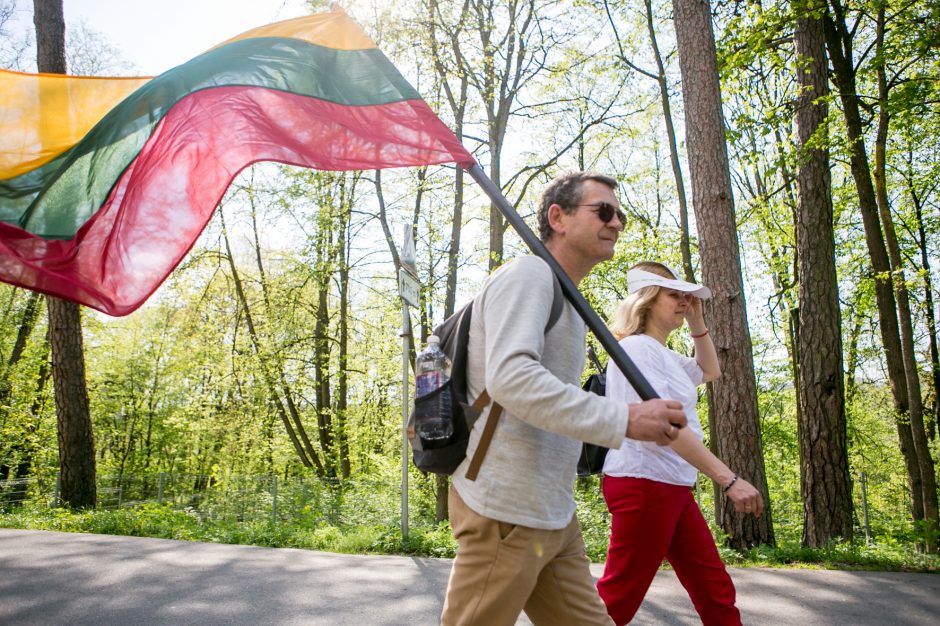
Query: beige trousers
{"points": [[503, 569]]}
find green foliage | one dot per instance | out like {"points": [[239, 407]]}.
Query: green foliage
{"points": [[146, 521], [167, 522], [888, 556], [426, 540], [594, 518]]}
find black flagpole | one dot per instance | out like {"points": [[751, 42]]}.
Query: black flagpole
{"points": [[581, 305]]}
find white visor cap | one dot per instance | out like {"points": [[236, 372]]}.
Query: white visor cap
{"points": [[637, 279]]}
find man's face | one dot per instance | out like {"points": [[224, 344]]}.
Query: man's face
{"points": [[586, 234]]}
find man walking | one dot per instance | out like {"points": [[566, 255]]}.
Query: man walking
{"points": [[519, 542]]}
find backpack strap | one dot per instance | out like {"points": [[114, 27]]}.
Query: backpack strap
{"points": [[558, 304], [487, 436]]}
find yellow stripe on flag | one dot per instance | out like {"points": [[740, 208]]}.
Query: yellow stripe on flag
{"points": [[43, 115], [334, 29]]}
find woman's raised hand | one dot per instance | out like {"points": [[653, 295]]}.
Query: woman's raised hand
{"points": [[694, 315]]}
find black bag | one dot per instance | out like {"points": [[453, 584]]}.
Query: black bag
{"points": [[443, 457], [592, 455]]}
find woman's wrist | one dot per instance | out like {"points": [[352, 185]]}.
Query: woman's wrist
{"points": [[698, 334], [726, 486]]}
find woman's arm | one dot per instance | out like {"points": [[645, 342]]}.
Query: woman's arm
{"points": [[746, 498], [705, 354]]}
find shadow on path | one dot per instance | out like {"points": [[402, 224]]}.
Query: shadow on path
{"points": [[66, 578]]}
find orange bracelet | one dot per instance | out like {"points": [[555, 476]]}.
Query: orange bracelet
{"points": [[700, 336]]}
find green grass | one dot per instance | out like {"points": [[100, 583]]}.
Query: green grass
{"points": [[843, 556], [163, 521]]}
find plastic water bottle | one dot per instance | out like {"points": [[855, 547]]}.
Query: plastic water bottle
{"points": [[433, 420]]}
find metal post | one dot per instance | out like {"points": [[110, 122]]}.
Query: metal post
{"points": [[58, 489], [408, 290], [864, 481], [581, 305], [405, 350]]}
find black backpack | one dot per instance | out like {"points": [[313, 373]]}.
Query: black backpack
{"points": [[443, 456], [592, 455]]}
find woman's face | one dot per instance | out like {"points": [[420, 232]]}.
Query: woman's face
{"points": [[669, 309]]}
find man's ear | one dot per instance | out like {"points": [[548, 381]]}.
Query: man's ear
{"points": [[555, 218]]}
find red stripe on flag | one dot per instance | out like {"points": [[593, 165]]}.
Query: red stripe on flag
{"points": [[164, 199]]}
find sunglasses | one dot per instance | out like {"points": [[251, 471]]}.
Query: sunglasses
{"points": [[606, 212]]}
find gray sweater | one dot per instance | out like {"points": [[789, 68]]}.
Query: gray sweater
{"points": [[528, 473]]}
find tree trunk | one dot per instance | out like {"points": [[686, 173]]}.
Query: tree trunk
{"points": [[457, 99], [25, 448], [390, 241], [839, 46], [852, 353], [905, 318], [76, 441], [825, 484], [342, 389], [27, 322], [49, 20], [321, 352], [30, 444], [510, 37], [494, 99], [497, 221], [425, 297], [305, 451], [441, 481], [662, 83], [24, 460], [735, 393], [24, 329], [684, 241], [922, 244]]}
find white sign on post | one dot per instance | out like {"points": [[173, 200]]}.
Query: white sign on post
{"points": [[408, 257], [408, 287]]}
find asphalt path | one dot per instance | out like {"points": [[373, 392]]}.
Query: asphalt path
{"points": [[50, 578]]}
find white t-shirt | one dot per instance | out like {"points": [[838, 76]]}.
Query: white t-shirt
{"points": [[673, 377]]}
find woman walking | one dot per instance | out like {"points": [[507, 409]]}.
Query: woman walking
{"points": [[647, 487]]}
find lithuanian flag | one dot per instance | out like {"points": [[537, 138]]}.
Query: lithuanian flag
{"points": [[105, 183]]}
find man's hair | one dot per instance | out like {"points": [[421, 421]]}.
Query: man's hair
{"points": [[565, 191], [633, 311]]}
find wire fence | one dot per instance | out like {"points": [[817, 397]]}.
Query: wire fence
{"points": [[880, 509]]}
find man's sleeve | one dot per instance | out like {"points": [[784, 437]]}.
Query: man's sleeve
{"points": [[515, 312]]}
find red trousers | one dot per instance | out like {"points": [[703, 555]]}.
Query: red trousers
{"points": [[651, 520]]}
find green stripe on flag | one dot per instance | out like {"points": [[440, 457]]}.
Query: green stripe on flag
{"points": [[74, 185]]}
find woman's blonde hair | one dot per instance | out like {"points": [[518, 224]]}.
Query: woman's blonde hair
{"points": [[630, 316]]}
